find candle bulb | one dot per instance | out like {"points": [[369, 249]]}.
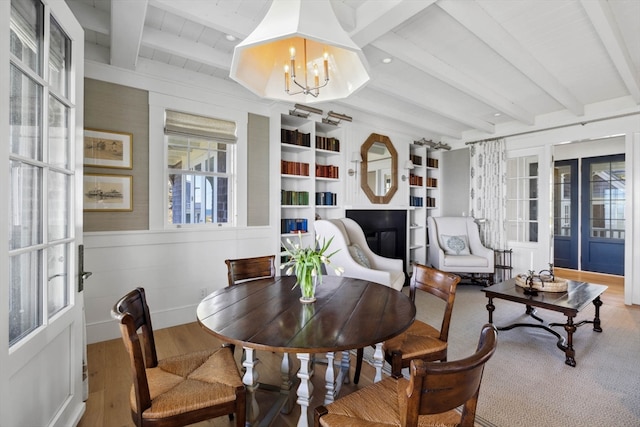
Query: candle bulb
{"points": [[316, 78], [326, 66], [292, 56], [286, 78]]}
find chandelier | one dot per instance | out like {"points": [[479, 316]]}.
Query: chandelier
{"points": [[303, 41], [290, 73]]}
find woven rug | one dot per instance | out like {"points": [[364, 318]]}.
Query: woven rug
{"points": [[526, 382]]}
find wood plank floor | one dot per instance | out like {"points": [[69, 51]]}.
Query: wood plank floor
{"points": [[109, 382], [614, 295]]}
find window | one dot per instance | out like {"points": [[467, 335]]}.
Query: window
{"points": [[522, 199], [41, 174], [607, 199], [200, 159]]}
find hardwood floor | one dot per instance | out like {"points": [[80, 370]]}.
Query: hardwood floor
{"points": [[614, 295], [110, 381]]}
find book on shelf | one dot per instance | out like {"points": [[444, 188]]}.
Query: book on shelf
{"points": [[295, 137], [416, 201], [293, 225], [327, 171], [294, 168], [415, 180], [326, 198], [298, 198], [327, 143]]}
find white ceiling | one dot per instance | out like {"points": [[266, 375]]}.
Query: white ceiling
{"points": [[460, 68]]}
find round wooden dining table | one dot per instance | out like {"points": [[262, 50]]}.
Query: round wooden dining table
{"points": [[267, 315]]}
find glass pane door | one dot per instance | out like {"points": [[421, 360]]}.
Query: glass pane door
{"points": [[603, 221]]}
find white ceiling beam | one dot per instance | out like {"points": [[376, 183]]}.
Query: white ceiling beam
{"points": [[423, 60], [422, 99], [473, 17], [602, 19], [185, 49], [373, 102], [375, 18], [208, 14], [89, 17], [127, 23]]}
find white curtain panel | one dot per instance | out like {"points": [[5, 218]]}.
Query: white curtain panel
{"points": [[487, 204]]}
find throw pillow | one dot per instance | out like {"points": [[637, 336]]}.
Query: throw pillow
{"points": [[455, 245], [359, 256]]}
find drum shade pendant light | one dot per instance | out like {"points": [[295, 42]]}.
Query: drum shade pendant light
{"points": [[300, 53]]}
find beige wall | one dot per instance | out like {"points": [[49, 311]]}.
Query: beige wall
{"points": [[119, 108], [258, 170]]}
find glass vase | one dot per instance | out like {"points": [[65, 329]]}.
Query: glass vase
{"points": [[307, 285]]}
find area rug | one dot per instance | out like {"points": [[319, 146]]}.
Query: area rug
{"points": [[527, 383]]}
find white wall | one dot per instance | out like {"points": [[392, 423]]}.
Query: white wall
{"points": [[545, 143], [176, 266]]}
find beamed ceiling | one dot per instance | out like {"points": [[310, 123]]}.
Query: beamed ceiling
{"points": [[460, 69]]}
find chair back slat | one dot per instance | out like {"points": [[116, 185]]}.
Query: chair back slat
{"points": [[133, 314], [440, 284], [442, 386], [244, 269]]}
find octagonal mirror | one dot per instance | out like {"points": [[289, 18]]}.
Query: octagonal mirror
{"points": [[379, 169]]}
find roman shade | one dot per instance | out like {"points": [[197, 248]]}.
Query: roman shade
{"points": [[200, 126]]}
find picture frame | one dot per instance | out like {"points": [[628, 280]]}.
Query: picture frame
{"points": [[102, 192], [108, 149]]}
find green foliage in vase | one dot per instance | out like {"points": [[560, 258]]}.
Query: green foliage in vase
{"points": [[306, 263]]}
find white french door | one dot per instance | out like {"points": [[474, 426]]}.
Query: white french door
{"points": [[41, 309]]}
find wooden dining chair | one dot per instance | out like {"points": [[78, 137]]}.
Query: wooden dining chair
{"points": [[179, 390], [241, 270], [421, 340], [430, 397], [245, 269]]}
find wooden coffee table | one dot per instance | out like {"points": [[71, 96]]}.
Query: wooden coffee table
{"points": [[577, 296]]}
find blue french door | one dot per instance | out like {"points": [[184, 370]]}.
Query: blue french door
{"points": [[565, 214], [603, 221]]}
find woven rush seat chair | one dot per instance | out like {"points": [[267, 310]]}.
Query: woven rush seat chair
{"points": [[179, 390], [430, 397], [421, 340], [241, 270]]}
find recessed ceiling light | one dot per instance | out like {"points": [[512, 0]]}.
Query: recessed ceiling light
{"points": [[387, 60], [230, 38], [497, 114]]}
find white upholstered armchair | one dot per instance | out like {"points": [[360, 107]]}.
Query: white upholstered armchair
{"points": [[455, 247], [354, 255]]}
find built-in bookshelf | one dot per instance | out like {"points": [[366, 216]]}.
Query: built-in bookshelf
{"points": [[312, 168], [417, 178], [423, 198], [432, 205]]}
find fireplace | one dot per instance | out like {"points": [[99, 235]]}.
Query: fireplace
{"points": [[385, 230]]}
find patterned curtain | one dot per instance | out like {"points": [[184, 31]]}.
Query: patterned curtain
{"points": [[488, 191]]}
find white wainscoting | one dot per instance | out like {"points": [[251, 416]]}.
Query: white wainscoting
{"points": [[174, 267]]}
